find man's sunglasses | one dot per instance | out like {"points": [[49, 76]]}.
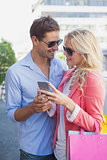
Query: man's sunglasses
{"points": [[68, 50], [51, 44]]}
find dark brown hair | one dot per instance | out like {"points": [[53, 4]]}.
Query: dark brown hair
{"points": [[43, 25]]}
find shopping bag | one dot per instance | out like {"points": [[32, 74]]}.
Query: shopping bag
{"points": [[87, 145], [104, 124]]}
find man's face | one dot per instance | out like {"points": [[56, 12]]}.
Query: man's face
{"points": [[44, 48]]}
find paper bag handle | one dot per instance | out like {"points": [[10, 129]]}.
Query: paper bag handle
{"points": [[96, 126]]}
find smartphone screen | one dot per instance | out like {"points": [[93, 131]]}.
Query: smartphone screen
{"points": [[43, 86]]}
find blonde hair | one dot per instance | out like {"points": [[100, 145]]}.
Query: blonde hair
{"points": [[85, 43]]}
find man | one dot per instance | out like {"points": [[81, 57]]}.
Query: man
{"points": [[36, 128]]}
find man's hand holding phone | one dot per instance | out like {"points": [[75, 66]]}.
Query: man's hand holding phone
{"points": [[41, 102]]}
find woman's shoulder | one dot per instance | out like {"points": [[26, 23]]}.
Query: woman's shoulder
{"points": [[94, 78], [94, 75], [95, 85]]}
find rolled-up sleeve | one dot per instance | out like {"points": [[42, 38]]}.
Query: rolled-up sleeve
{"points": [[51, 112], [71, 116], [13, 94]]}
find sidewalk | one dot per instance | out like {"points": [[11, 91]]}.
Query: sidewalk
{"points": [[8, 136]]}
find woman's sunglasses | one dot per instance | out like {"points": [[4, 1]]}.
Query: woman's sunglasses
{"points": [[68, 50], [51, 44]]}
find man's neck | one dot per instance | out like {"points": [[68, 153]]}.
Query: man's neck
{"points": [[42, 63]]}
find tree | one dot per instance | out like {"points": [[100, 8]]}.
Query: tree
{"points": [[7, 58], [61, 56]]}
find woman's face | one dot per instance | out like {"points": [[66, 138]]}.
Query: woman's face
{"points": [[75, 59]]}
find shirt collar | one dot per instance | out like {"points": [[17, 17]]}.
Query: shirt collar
{"points": [[28, 61]]}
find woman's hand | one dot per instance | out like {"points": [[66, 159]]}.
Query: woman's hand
{"points": [[59, 98]]}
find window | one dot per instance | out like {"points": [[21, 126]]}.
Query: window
{"points": [[76, 2]]}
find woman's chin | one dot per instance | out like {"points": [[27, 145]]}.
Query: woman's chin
{"points": [[69, 65]]}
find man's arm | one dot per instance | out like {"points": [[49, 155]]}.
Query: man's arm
{"points": [[40, 104], [15, 111]]}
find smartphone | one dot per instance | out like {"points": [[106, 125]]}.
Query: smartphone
{"points": [[44, 86]]}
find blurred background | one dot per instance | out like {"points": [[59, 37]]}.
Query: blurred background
{"points": [[16, 18]]}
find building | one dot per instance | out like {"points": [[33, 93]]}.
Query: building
{"points": [[71, 14]]}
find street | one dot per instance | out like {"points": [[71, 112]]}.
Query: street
{"points": [[8, 136]]}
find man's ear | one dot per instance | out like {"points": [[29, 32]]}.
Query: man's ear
{"points": [[34, 40]]}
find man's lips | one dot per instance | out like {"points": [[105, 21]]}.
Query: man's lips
{"points": [[52, 52]]}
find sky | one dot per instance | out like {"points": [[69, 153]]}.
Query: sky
{"points": [[15, 22]]}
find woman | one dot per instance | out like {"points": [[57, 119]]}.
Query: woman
{"points": [[83, 90]]}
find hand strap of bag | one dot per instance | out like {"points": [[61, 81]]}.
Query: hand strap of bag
{"points": [[96, 126]]}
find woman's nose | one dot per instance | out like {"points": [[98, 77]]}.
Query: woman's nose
{"points": [[65, 53]]}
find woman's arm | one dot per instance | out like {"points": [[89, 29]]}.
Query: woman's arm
{"points": [[92, 106]]}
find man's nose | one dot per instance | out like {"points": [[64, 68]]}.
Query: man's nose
{"points": [[55, 47]]}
